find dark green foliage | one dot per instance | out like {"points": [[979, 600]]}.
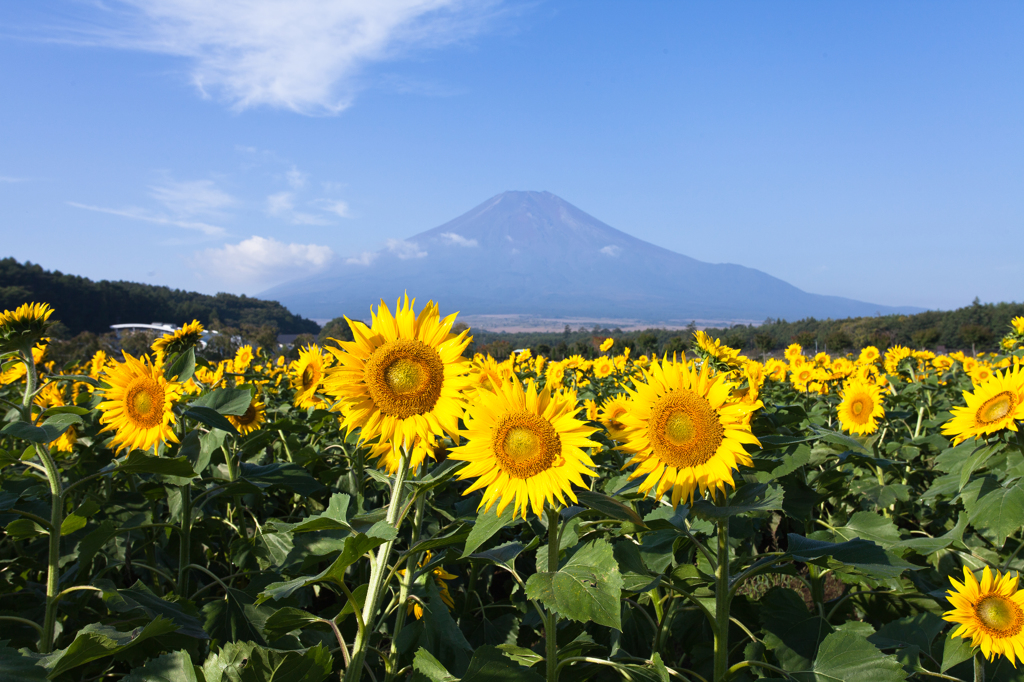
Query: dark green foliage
{"points": [[82, 305]]}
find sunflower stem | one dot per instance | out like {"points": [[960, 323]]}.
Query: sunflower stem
{"points": [[979, 667], [185, 540], [722, 599], [378, 571], [551, 623], [403, 594], [920, 418], [53, 558]]}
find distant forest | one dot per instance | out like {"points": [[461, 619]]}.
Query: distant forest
{"points": [[82, 305], [976, 327]]}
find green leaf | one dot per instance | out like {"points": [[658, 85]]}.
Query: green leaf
{"points": [[609, 506], [847, 657], [93, 542], [925, 546], [209, 443], [235, 617], [97, 641], [489, 664], [77, 519], [587, 588], [138, 462], [863, 555], [333, 518], [975, 462], [354, 548], [869, 526], [792, 632], [191, 448], [910, 636], [486, 525], [667, 518], [502, 554], [287, 619], [747, 498], [173, 667], [284, 474], [233, 401], [437, 633], [183, 367], [50, 430], [210, 417], [425, 664], [248, 662], [955, 650], [65, 409], [995, 511], [20, 667], [139, 597]]}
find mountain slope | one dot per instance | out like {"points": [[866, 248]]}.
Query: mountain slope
{"points": [[532, 253]]}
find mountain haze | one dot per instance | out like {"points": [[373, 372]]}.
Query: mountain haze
{"points": [[533, 253]]}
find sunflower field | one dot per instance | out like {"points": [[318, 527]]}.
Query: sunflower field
{"points": [[387, 508]]}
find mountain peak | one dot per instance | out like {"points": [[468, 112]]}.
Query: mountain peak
{"points": [[533, 253]]}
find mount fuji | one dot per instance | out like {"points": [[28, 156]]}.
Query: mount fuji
{"points": [[533, 253]]}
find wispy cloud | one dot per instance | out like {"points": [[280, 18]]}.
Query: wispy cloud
{"points": [[405, 250], [6, 178], [303, 55], [455, 238], [147, 216], [192, 198], [611, 250], [365, 258], [263, 261]]}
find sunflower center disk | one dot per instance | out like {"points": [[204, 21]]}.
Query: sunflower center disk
{"points": [[998, 613], [996, 407], [249, 417], [307, 377], [144, 403], [857, 407], [525, 444], [685, 430], [404, 377]]}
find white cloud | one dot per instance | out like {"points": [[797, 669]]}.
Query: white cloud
{"points": [[195, 197], [335, 206], [303, 55], [405, 250], [296, 178], [365, 258], [453, 238], [7, 178], [142, 214], [260, 260], [280, 203], [611, 250]]}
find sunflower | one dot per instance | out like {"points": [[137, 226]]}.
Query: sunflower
{"points": [[179, 341], [801, 376], [610, 414], [603, 367], [989, 613], [686, 430], [713, 348], [23, 326], [440, 577], [15, 370], [525, 447], [1018, 325], [607, 344], [993, 406], [243, 358], [894, 356], [402, 380], [138, 405], [868, 355], [307, 373], [776, 369], [793, 350], [861, 407], [254, 416], [51, 396], [554, 376]]}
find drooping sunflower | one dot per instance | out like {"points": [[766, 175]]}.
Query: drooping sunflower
{"points": [[138, 405], [251, 420], [23, 326], [307, 373], [989, 612], [402, 379], [686, 430], [525, 447], [993, 406], [440, 578], [861, 407], [179, 341]]}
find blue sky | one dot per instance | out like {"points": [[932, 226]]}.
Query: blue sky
{"points": [[872, 150]]}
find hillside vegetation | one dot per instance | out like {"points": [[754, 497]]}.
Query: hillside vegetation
{"points": [[86, 306], [978, 326]]}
